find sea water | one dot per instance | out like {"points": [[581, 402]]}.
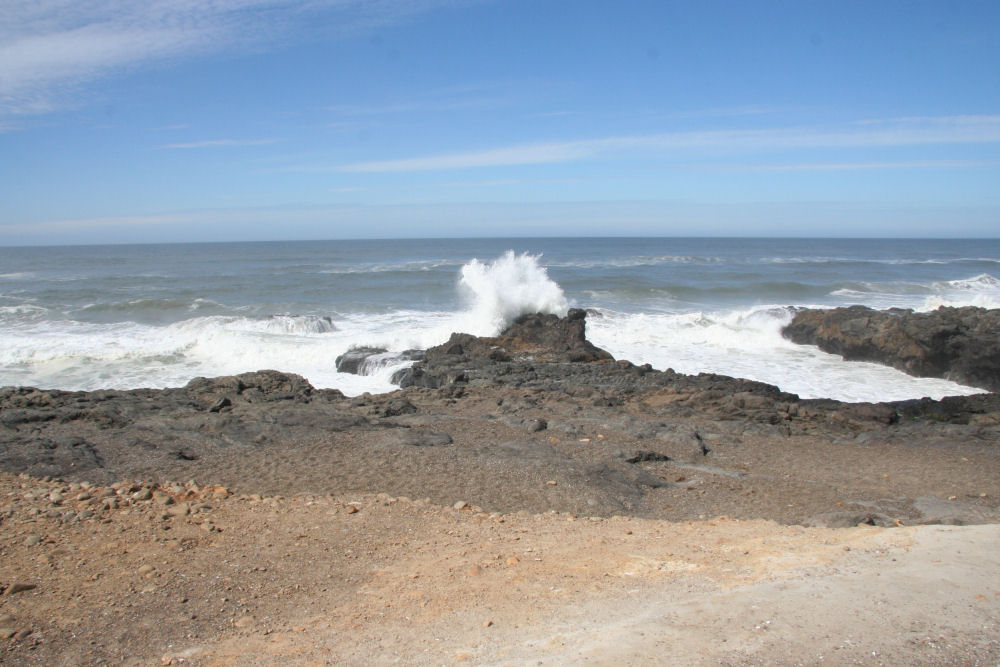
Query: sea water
{"points": [[159, 315]]}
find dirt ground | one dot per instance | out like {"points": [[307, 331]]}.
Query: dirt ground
{"points": [[143, 574]]}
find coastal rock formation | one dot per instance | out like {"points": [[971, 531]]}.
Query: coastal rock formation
{"points": [[531, 338], [536, 419], [959, 344]]}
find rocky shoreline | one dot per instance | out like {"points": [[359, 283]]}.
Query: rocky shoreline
{"points": [[254, 519], [959, 344], [493, 421]]}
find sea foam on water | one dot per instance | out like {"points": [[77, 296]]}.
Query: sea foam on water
{"points": [[692, 305]]}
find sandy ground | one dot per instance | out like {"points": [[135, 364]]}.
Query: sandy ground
{"points": [[211, 578]]}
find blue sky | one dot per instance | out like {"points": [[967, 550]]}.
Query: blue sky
{"points": [[183, 120]]}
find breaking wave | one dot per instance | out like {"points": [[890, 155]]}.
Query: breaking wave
{"points": [[500, 291]]}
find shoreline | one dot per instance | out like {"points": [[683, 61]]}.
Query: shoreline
{"points": [[526, 497]]}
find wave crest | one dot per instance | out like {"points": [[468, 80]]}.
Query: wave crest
{"points": [[502, 290]]}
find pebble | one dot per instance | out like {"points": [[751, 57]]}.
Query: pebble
{"points": [[56, 497], [244, 623], [142, 494], [83, 496], [162, 498], [145, 570], [32, 540], [180, 509], [7, 626], [18, 587], [460, 505]]}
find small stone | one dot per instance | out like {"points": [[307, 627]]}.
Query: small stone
{"points": [[244, 622], [142, 494], [460, 505], [56, 497], [552, 482], [146, 570], [487, 624], [32, 540], [513, 560], [180, 509], [83, 496], [19, 587], [351, 509], [475, 570], [162, 498]]}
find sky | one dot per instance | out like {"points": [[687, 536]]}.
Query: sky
{"points": [[235, 120]]}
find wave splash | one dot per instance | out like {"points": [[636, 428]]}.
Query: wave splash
{"points": [[504, 289]]}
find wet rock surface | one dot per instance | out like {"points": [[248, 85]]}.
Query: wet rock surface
{"points": [[536, 419], [959, 344]]}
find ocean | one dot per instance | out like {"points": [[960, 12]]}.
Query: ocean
{"points": [[129, 316]]}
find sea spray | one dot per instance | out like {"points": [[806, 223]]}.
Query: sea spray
{"points": [[502, 290]]}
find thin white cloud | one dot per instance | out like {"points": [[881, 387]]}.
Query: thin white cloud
{"points": [[857, 166], [885, 134], [219, 143], [51, 49]]}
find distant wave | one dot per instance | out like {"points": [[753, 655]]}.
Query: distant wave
{"points": [[982, 290], [402, 267], [874, 260], [628, 262]]}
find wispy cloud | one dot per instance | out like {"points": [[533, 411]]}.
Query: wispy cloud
{"points": [[857, 166], [881, 134], [219, 143], [51, 49]]}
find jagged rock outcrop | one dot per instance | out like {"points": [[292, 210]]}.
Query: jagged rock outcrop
{"points": [[959, 344], [531, 338]]}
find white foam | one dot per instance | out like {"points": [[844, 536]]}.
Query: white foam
{"points": [[748, 344], [982, 290], [502, 290]]}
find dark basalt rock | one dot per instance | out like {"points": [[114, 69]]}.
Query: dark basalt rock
{"points": [[366, 360], [351, 361], [531, 338], [959, 344]]}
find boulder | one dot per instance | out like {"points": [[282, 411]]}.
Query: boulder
{"points": [[958, 344]]}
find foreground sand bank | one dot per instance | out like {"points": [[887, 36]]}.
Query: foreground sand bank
{"points": [[372, 579]]}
